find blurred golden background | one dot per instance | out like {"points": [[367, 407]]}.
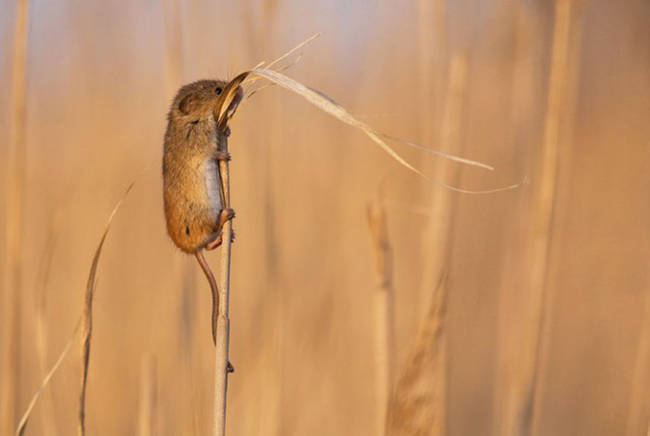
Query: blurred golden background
{"points": [[515, 313]]}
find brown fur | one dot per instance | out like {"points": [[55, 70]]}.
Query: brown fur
{"points": [[192, 190]]}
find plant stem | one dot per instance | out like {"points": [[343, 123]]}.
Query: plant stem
{"points": [[383, 316], [223, 323], [14, 155]]}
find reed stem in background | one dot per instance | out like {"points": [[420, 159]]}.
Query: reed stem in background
{"points": [[89, 289], [22, 425], [638, 420], [148, 397], [523, 109], [383, 311], [565, 129], [436, 235], [14, 201], [223, 323], [418, 405], [526, 404], [432, 61], [40, 309]]}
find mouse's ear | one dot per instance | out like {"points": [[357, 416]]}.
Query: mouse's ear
{"points": [[188, 104]]}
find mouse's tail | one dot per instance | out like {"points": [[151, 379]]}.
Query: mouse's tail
{"points": [[213, 288]]}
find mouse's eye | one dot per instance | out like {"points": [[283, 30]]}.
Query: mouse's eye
{"points": [[218, 91]]}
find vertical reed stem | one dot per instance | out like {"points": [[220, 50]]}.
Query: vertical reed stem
{"points": [[522, 423], [40, 309], [12, 271], [148, 397], [223, 323], [383, 315], [637, 419], [418, 404]]}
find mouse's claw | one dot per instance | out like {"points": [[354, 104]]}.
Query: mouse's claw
{"points": [[223, 155]]}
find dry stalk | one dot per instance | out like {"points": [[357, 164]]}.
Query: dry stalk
{"points": [[329, 106], [522, 107], [12, 271], [637, 419], [90, 287], [567, 105], [418, 404], [40, 299], [87, 319], [383, 316], [223, 323], [148, 397], [432, 56], [437, 233], [22, 425], [522, 420]]}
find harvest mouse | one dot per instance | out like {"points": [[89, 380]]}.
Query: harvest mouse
{"points": [[192, 190]]}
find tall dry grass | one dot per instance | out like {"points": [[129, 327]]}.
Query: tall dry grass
{"points": [[383, 311], [419, 402], [40, 312], [301, 330], [638, 418], [521, 420], [15, 168], [147, 412], [85, 326]]}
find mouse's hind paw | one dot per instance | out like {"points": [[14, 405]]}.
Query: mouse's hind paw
{"points": [[225, 215]]}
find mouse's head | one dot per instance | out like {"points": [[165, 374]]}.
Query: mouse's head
{"points": [[198, 100]]}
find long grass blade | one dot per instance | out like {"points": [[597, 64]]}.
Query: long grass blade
{"points": [[330, 106], [337, 111], [84, 320], [23, 421], [87, 320]]}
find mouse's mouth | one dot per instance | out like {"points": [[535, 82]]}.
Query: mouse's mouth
{"points": [[232, 94]]}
